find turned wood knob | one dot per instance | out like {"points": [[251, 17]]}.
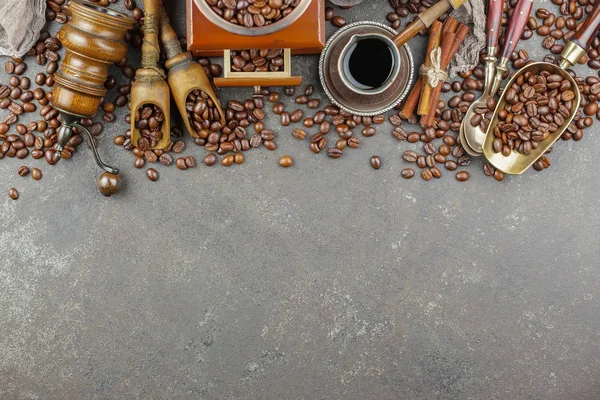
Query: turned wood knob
{"points": [[108, 183]]}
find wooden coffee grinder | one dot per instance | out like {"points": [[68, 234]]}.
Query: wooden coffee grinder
{"points": [[300, 32], [93, 40]]}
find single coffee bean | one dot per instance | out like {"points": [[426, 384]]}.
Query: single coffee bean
{"points": [[13, 193], [152, 174], [334, 152], [299, 134], [210, 159], [23, 171], [338, 21], [462, 176], [375, 162], [426, 174], [408, 173], [36, 174], [286, 161]]}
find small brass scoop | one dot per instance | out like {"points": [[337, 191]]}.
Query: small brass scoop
{"points": [[473, 137], [185, 75], [517, 163]]}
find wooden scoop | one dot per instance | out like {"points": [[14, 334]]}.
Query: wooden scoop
{"points": [[185, 75], [150, 86], [517, 163]]}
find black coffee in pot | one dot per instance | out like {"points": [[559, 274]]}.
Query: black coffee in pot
{"points": [[371, 62]]}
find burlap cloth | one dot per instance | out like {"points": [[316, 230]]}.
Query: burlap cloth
{"points": [[20, 24], [471, 13]]}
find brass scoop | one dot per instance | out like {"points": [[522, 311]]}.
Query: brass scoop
{"points": [[517, 163], [150, 86], [185, 75]]}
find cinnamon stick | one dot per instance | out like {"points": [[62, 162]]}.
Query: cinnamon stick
{"points": [[435, 35], [410, 105], [459, 37], [450, 24]]}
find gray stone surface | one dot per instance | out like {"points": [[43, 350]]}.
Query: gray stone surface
{"points": [[328, 280]]}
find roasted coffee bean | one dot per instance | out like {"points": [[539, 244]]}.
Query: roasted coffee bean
{"points": [[410, 156], [152, 174], [286, 161], [426, 174], [165, 159], [13, 193], [462, 176], [190, 161], [375, 162], [408, 173], [338, 21], [334, 152], [23, 171], [210, 159], [299, 134], [180, 163], [36, 174]]}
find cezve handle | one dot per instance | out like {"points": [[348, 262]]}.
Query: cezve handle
{"points": [[516, 26], [425, 19], [494, 21]]}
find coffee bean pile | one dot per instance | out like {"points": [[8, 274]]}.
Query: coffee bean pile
{"points": [[326, 120], [536, 106], [253, 13], [149, 119], [202, 113], [257, 60]]}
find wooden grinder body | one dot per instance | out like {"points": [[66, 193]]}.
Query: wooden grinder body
{"points": [[93, 41]]}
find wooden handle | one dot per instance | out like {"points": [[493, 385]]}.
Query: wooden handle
{"points": [[516, 26], [423, 20], [586, 34], [150, 46], [494, 21]]}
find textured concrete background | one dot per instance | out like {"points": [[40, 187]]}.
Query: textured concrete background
{"points": [[328, 280]]}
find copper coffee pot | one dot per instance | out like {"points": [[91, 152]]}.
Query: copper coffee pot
{"points": [[93, 40]]}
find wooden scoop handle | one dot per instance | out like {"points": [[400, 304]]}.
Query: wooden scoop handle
{"points": [[494, 21], [516, 26], [586, 34]]}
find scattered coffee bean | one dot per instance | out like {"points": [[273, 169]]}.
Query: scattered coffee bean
{"points": [[286, 161], [375, 162]]}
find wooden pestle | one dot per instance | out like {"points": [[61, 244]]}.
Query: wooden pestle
{"points": [[150, 86], [184, 74]]}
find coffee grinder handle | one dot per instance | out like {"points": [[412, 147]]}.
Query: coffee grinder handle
{"points": [[516, 26], [494, 22], [587, 32]]}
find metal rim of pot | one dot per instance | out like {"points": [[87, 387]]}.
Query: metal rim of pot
{"points": [[322, 69], [241, 30]]}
